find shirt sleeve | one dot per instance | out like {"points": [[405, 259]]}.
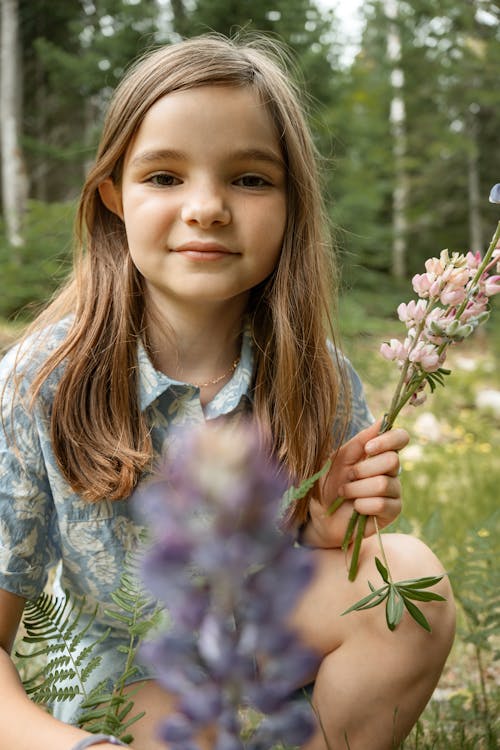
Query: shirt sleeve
{"points": [[352, 401], [361, 415], [29, 539]]}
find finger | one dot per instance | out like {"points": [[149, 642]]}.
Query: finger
{"points": [[378, 486], [354, 449], [393, 440], [382, 522], [385, 463], [384, 508]]}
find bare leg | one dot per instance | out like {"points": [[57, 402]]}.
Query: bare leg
{"points": [[373, 683], [157, 704]]}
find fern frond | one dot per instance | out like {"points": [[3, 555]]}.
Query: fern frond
{"points": [[57, 624], [54, 621], [110, 712]]}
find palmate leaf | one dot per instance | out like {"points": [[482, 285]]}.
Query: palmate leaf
{"points": [[398, 596], [436, 378]]}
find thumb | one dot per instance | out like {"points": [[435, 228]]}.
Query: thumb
{"points": [[354, 449]]}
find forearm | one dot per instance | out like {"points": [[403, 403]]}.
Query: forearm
{"points": [[24, 725]]}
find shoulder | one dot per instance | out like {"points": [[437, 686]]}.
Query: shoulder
{"points": [[27, 356], [21, 364], [352, 400], [347, 373]]}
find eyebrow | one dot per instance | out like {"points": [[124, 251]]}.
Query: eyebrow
{"points": [[252, 154]]}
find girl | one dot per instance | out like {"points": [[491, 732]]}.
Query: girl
{"points": [[203, 293]]}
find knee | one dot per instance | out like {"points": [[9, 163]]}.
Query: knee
{"points": [[408, 557]]}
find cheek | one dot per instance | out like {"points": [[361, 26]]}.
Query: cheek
{"points": [[276, 233]]}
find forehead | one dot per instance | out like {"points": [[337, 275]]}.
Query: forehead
{"points": [[207, 116]]}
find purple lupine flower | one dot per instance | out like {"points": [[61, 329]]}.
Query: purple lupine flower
{"points": [[228, 576]]}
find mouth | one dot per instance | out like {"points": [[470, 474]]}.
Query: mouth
{"points": [[203, 251]]}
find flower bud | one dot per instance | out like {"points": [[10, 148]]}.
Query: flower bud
{"points": [[437, 329], [452, 328], [495, 193], [464, 331]]}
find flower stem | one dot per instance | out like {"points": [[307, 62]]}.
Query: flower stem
{"points": [[350, 530], [382, 550], [334, 506], [480, 270], [360, 533], [358, 519]]}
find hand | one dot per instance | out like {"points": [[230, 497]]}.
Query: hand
{"points": [[365, 472]]}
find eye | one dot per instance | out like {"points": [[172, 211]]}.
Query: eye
{"points": [[252, 181], [163, 179]]}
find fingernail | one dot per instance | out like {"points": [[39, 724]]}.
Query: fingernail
{"points": [[370, 446]]}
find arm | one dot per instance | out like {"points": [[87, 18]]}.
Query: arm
{"points": [[365, 472], [26, 549], [24, 725]]}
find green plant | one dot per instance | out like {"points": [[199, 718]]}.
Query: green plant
{"points": [[477, 578], [32, 273], [59, 625], [53, 622]]}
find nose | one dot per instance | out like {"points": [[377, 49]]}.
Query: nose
{"points": [[205, 205]]}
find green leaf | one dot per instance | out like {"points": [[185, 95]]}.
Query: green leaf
{"points": [[394, 608], [421, 596], [421, 583], [417, 615], [382, 570], [376, 596], [297, 493]]}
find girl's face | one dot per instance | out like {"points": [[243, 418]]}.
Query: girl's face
{"points": [[203, 196]]}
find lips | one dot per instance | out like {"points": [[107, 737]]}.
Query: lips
{"points": [[203, 250]]}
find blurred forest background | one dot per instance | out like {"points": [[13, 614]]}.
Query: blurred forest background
{"points": [[408, 128]]}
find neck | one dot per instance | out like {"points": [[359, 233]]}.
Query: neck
{"points": [[195, 345]]}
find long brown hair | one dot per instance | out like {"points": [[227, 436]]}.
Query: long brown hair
{"points": [[100, 438]]}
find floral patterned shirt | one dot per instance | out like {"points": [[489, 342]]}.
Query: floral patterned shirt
{"points": [[44, 523]]}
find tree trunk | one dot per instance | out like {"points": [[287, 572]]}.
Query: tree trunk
{"points": [[398, 130], [179, 16], [475, 225], [14, 184]]}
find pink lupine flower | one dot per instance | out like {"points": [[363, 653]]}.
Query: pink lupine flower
{"points": [[426, 355], [451, 296], [473, 260], [434, 266], [421, 283], [418, 398], [394, 350], [453, 301], [413, 312], [492, 286]]}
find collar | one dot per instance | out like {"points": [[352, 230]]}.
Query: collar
{"points": [[152, 382]]}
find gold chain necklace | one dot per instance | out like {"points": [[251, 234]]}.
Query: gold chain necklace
{"points": [[221, 377]]}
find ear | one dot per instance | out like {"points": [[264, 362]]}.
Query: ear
{"points": [[111, 197]]}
